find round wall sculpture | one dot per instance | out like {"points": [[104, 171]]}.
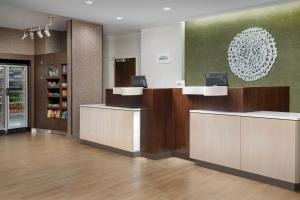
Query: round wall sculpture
{"points": [[252, 53]]}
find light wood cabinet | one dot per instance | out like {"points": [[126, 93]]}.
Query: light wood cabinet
{"points": [[268, 147], [215, 139], [115, 128], [256, 143]]}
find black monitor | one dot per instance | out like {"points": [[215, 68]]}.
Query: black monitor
{"points": [[139, 81], [216, 79]]}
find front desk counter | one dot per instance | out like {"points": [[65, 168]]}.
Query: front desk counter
{"points": [[165, 113], [112, 128], [262, 146]]}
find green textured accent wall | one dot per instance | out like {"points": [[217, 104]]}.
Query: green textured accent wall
{"points": [[207, 41]]}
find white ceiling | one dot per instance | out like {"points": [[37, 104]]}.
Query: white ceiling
{"points": [[136, 14], [13, 17]]}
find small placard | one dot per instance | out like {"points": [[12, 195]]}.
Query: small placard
{"points": [[164, 58], [180, 84]]}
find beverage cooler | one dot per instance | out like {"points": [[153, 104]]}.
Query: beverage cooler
{"points": [[13, 97]]}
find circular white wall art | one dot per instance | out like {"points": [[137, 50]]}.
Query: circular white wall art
{"points": [[252, 53]]}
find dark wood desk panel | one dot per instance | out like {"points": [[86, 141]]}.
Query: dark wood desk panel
{"points": [[122, 101], [266, 98], [157, 134], [180, 109], [165, 112]]}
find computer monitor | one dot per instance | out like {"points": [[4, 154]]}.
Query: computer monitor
{"points": [[139, 81], [216, 79]]}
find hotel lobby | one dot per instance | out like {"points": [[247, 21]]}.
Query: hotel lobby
{"points": [[166, 100]]}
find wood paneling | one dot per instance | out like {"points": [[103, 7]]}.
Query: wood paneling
{"points": [[180, 118], [109, 127], [233, 102], [266, 98], [40, 90], [157, 135], [216, 139], [156, 117], [123, 101], [269, 147], [124, 70], [11, 43], [48, 45], [165, 115], [41, 73], [85, 54]]}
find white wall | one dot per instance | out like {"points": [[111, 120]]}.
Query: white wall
{"points": [[161, 40], [125, 46], [145, 47]]}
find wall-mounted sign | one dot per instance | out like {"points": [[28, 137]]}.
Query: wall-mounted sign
{"points": [[252, 53], [164, 58], [180, 84]]}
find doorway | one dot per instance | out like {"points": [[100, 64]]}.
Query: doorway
{"points": [[124, 70]]}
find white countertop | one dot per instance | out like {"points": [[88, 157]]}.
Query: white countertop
{"points": [[103, 106], [258, 114]]}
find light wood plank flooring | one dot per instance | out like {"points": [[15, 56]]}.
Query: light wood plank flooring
{"points": [[44, 167]]}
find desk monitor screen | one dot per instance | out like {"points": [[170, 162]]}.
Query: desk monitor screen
{"points": [[216, 79], [139, 81]]}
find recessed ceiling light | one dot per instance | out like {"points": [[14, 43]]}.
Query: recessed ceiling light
{"points": [[167, 8], [89, 2], [119, 18]]}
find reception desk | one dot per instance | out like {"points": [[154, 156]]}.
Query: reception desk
{"points": [[112, 128], [262, 146], [165, 113]]}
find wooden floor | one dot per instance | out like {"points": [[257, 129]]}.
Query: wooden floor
{"points": [[43, 166]]}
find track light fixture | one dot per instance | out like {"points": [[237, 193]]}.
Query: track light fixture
{"points": [[39, 33], [46, 31], [24, 35], [31, 33], [38, 30]]}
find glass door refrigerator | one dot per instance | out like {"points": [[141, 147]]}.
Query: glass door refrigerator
{"points": [[17, 109], [2, 99], [13, 97]]}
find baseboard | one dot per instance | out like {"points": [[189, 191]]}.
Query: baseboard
{"points": [[248, 175], [157, 156], [47, 131], [111, 149], [181, 155], [152, 156], [17, 130]]}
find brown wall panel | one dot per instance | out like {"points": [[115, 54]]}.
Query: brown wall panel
{"points": [[11, 43], [86, 67], [41, 101], [13, 48], [54, 44]]}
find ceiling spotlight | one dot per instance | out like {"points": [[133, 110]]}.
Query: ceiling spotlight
{"points": [[31, 33], [119, 18], [88, 2], [167, 8], [39, 33], [38, 29], [46, 31], [24, 35]]}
